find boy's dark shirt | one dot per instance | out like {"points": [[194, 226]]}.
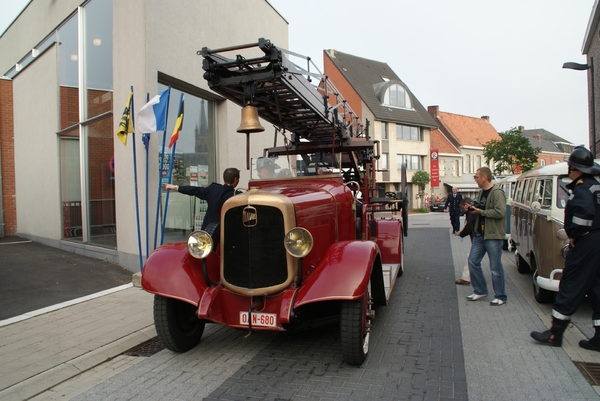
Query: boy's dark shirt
{"points": [[482, 202], [468, 229]]}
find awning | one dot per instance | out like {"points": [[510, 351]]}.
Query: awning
{"points": [[462, 186]]}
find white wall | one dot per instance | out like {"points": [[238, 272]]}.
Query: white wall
{"points": [[160, 36], [37, 172]]}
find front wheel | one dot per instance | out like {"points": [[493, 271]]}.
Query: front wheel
{"points": [[355, 330], [177, 325]]}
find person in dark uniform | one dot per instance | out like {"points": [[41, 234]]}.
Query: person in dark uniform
{"points": [[215, 194], [453, 202], [581, 275]]}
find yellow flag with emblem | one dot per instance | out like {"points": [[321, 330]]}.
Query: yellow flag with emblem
{"points": [[126, 123]]}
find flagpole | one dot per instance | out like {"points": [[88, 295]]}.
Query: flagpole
{"points": [[135, 185], [162, 156], [170, 175], [146, 141]]}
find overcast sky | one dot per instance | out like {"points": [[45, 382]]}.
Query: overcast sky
{"points": [[502, 59]]}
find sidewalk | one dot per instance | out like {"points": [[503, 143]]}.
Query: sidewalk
{"points": [[43, 351]]}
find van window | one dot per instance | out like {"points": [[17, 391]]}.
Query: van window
{"points": [[537, 191], [519, 191], [546, 194], [529, 193], [562, 193]]}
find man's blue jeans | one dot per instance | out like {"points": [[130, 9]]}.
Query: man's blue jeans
{"points": [[493, 247]]}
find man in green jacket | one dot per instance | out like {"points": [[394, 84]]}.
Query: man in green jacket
{"points": [[490, 229]]}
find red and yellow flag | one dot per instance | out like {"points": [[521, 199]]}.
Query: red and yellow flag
{"points": [[178, 127]]}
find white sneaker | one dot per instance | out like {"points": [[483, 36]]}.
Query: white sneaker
{"points": [[497, 302], [475, 297]]}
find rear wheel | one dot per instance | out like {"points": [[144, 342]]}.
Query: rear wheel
{"points": [[355, 330], [177, 325], [522, 266], [542, 295]]}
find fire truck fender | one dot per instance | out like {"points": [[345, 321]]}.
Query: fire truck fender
{"points": [[171, 272], [343, 274]]}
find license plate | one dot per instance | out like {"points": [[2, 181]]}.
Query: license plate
{"points": [[259, 319]]}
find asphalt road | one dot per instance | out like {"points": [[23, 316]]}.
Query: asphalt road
{"points": [[35, 276]]}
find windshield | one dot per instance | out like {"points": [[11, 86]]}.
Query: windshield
{"points": [[292, 166]]}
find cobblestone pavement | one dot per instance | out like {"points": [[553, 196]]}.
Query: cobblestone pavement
{"points": [[429, 343]]}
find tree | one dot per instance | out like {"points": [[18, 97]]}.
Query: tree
{"points": [[421, 178], [512, 153]]}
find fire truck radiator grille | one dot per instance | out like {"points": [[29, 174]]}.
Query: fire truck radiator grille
{"points": [[253, 252]]}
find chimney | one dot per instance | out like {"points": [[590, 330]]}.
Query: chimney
{"points": [[486, 118], [331, 52], [521, 128], [433, 110], [538, 137]]}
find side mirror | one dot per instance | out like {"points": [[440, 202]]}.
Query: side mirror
{"points": [[536, 206]]}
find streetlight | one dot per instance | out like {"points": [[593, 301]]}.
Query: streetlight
{"points": [[583, 67]]}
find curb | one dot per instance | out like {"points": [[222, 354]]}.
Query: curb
{"points": [[67, 370]]}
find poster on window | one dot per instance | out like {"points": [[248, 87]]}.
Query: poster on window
{"points": [[177, 173], [435, 168]]}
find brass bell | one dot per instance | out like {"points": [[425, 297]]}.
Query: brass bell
{"points": [[250, 121]]}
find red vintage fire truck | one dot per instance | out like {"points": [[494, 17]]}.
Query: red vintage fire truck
{"points": [[315, 244]]}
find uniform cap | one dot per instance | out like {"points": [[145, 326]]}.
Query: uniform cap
{"points": [[583, 160]]}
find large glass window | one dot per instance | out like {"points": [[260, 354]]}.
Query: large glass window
{"points": [[383, 161], [98, 57], [68, 59], [404, 132], [413, 162], [101, 188], [70, 184], [396, 96], [86, 141], [193, 164]]}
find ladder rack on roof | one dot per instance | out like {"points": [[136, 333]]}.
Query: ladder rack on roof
{"points": [[283, 92]]}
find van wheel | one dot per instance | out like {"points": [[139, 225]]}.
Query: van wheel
{"points": [[354, 330], [542, 295], [522, 266], [177, 325]]}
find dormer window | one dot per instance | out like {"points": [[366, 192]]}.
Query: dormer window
{"points": [[396, 96], [392, 94]]}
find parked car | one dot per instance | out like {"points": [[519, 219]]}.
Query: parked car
{"points": [[438, 206], [537, 212]]}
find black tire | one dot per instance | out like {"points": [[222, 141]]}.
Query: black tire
{"points": [[505, 245], [177, 325], [354, 333], [542, 295], [522, 266]]}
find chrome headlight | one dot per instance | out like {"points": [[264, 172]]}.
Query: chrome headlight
{"points": [[199, 244], [298, 242]]}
